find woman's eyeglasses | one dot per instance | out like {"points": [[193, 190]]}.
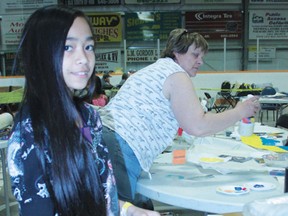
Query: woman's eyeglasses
{"points": [[181, 35]]}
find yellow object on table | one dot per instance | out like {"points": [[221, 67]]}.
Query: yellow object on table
{"points": [[256, 142]]}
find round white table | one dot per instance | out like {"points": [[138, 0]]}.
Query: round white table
{"points": [[191, 186]]}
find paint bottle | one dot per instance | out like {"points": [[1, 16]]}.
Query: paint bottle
{"points": [[246, 126]]}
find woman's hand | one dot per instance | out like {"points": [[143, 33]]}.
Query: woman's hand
{"points": [[249, 107]]}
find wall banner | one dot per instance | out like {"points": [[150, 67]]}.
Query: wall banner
{"points": [[213, 1], [107, 60], [9, 6], [151, 1], [150, 26], [268, 24], [141, 55], [106, 27], [264, 53], [12, 27], [269, 1], [91, 2], [215, 24]]}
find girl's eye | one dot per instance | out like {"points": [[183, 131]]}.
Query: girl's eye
{"points": [[67, 48], [90, 47]]}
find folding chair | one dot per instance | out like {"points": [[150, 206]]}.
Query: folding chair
{"points": [[213, 105]]}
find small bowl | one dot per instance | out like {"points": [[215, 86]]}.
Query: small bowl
{"points": [[276, 160]]}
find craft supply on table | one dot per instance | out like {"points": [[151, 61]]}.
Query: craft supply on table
{"points": [[233, 190]]}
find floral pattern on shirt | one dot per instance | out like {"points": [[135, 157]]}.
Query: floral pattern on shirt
{"points": [[26, 173]]}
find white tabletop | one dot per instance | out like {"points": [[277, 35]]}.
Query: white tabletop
{"points": [[191, 186], [274, 99]]}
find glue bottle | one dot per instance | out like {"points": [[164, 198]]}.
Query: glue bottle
{"points": [[246, 126], [179, 150]]}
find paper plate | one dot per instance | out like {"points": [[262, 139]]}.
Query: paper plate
{"points": [[233, 189], [260, 186]]}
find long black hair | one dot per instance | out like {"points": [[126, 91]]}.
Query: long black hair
{"points": [[73, 180]]}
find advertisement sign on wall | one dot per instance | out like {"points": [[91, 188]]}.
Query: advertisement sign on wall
{"points": [[107, 60], [268, 24], [150, 26], [106, 27], [214, 1], [142, 55], [151, 1], [264, 53], [215, 24], [12, 27], [9, 6], [91, 2], [269, 1]]}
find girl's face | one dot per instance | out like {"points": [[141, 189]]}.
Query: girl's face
{"points": [[191, 60], [79, 56]]}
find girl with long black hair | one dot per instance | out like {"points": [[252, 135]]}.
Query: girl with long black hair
{"points": [[57, 161]]}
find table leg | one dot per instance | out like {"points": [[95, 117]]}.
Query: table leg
{"points": [[5, 183]]}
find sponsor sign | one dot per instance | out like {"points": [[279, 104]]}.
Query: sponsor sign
{"points": [[150, 26], [107, 60], [215, 24], [106, 27], [265, 53], [9, 6], [151, 1], [269, 1], [91, 2], [214, 1], [142, 55], [268, 24], [12, 27]]}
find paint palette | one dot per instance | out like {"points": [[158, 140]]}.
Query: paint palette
{"points": [[260, 186], [233, 190]]}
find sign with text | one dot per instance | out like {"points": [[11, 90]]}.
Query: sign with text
{"points": [[91, 2], [269, 1], [107, 60], [12, 27], [142, 55], [106, 27], [214, 1], [151, 1], [215, 24], [8, 6], [150, 26], [265, 53], [268, 24]]}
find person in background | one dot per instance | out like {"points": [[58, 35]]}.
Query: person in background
{"points": [[144, 116], [99, 96], [132, 71], [105, 81], [124, 77], [57, 161]]}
